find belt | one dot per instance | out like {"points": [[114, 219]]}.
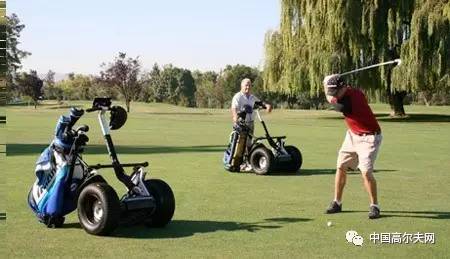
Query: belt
{"points": [[369, 133]]}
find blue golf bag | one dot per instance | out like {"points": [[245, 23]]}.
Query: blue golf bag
{"points": [[53, 194]]}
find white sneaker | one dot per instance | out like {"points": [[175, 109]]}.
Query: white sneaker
{"points": [[246, 167]]}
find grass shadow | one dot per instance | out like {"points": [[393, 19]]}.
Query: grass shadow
{"points": [[303, 172], [414, 117], [187, 228], [14, 149], [409, 214], [180, 113], [71, 225], [287, 220], [410, 117]]}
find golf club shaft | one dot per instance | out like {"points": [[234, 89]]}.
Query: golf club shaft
{"points": [[395, 61]]}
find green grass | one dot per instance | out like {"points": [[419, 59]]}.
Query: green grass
{"points": [[219, 214]]}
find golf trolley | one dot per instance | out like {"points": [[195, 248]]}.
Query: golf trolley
{"points": [[65, 182], [279, 158]]}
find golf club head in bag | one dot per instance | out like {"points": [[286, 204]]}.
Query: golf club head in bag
{"points": [[63, 139]]}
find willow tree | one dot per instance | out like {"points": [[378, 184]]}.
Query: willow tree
{"points": [[426, 55], [319, 37]]}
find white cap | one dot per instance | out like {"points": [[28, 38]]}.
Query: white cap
{"points": [[332, 81]]}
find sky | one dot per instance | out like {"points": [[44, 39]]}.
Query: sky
{"points": [[78, 36]]}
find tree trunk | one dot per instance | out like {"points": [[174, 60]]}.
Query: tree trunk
{"points": [[291, 100], [127, 103], [395, 98], [396, 103], [426, 96]]}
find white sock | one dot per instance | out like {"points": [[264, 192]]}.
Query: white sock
{"points": [[338, 202]]}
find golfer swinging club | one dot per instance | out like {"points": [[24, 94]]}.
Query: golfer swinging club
{"points": [[241, 99], [361, 144]]}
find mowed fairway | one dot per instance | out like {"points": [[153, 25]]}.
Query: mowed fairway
{"points": [[219, 214]]}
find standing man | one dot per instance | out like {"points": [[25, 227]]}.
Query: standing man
{"points": [[361, 144], [245, 98]]}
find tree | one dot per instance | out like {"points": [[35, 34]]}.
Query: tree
{"points": [[323, 37], [208, 94], [172, 84], [158, 89], [14, 55], [231, 77], [169, 82], [49, 79], [187, 88], [51, 92], [77, 87], [29, 84], [122, 74], [426, 54]]}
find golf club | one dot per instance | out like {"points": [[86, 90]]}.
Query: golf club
{"points": [[395, 61]]}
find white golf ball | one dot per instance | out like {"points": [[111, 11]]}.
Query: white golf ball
{"points": [[329, 223]]}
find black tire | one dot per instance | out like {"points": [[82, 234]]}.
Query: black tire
{"points": [[297, 160], [261, 160], [98, 209], [165, 203]]}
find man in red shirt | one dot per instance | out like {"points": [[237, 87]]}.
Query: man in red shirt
{"points": [[361, 144]]}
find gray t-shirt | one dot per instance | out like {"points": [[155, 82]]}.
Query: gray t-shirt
{"points": [[240, 99]]}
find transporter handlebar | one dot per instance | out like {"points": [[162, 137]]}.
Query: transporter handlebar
{"points": [[98, 108], [259, 105], [93, 109], [100, 166]]}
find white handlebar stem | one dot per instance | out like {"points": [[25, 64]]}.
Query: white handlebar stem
{"points": [[259, 116], [103, 122]]}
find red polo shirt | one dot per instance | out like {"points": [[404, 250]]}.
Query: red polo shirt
{"points": [[360, 119]]}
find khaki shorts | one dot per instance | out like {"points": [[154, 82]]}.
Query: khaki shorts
{"points": [[359, 151]]}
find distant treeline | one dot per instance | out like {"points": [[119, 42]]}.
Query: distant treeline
{"points": [[179, 86]]}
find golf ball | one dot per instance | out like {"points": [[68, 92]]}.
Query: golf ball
{"points": [[329, 223]]}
